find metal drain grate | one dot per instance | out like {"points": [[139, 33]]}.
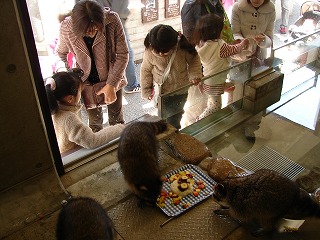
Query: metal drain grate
{"points": [[268, 158]]}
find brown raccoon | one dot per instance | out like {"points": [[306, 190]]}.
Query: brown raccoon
{"points": [[84, 218], [138, 158], [265, 197]]}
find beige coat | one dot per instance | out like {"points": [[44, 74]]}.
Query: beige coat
{"points": [[185, 67], [72, 132], [247, 22], [113, 73]]}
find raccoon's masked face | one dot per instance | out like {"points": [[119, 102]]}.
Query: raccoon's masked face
{"points": [[220, 194]]}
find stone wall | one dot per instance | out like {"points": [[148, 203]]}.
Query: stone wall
{"points": [[138, 30]]}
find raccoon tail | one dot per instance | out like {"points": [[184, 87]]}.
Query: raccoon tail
{"points": [[305, 207]]}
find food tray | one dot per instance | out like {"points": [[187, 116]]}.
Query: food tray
{"points": [[173, 210]]}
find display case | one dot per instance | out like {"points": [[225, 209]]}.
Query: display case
{"points": [[291, 70]]}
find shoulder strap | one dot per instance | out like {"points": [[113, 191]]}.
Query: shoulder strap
{"points": [[167, 70]]}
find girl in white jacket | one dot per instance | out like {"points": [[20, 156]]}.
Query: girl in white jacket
{"points": [[214, 55], [64, 92]]}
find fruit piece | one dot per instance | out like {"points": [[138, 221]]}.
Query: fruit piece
{"points": [[182, 173], [184, 185], [195, 193], [189, 175], [176, 201], [184, 178], [163, 193], [174, 195], [201, 186], [172, 178], [184, 206], [199, 182], [162, 205]]}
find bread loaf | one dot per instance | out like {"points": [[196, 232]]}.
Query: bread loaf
{"points": [[221, 168]]}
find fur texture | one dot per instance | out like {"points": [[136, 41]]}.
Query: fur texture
{"points": [[84, 218], [138, 158], [265, 197]]}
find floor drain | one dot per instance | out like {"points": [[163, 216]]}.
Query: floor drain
{"points": [[266, 157]]}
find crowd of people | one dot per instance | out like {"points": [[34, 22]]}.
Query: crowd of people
{"points": [[94, 32]]}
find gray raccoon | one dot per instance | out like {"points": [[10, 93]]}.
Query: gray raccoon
{"points": [[138, 159], [264, 197], [84, 218]]}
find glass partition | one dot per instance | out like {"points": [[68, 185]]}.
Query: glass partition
{"points": [[297, 59], [300, 56], [189, 104]]}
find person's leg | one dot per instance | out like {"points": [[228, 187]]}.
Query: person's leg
{"points": [[115, 113], [285, 12], [175, 107], [284, 16], [95, 116], [214, 104], [133, 84]]}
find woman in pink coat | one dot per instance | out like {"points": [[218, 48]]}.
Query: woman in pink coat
{"points": [[86, 34]]}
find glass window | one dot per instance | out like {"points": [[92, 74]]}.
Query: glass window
{"points": [[293, 50]]}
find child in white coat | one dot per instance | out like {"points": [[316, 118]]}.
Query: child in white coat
{"points": [[214, 55], [64, 92]]}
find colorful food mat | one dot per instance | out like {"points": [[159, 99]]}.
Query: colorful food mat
{"points": [[175, 206]]}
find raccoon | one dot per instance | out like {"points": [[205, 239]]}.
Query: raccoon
{"points": [[263, 198], [138, 159], [84, 218]]}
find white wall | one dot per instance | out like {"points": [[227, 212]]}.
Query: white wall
{"points": [[138, 30]]}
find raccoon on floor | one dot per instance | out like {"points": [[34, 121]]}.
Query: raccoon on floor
{"points": [[264, 197], [84, 218], [138, 159]]}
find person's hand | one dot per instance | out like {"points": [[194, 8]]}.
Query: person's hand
{"points": [[151, 96], [236, 41], [263, 41], [195, 81], [245, 43], [109, 94], [260, 38]]}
